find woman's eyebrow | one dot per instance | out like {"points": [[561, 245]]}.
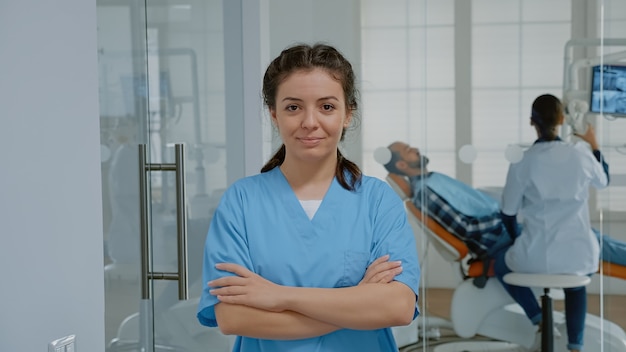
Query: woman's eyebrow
{"points": [[291, 99], [330, 97]]}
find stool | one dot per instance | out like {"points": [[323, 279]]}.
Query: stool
{"points": [[546, 281]]}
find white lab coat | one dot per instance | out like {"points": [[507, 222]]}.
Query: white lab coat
{"points": [[550, 187]]}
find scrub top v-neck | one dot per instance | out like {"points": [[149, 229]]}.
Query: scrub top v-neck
{"points": [[261, 225]]}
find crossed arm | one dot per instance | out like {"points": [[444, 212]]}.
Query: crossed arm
{"points": [[255, 307]]}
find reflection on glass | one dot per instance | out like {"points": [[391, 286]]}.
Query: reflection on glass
{"points": [[161, 74]]}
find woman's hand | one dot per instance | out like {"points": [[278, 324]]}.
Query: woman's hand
{"points": [[246, 288], [381, 271], [589, 136]]}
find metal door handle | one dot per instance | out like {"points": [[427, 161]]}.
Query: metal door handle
{"points": [[181, 223]]}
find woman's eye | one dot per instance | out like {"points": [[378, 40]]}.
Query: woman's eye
{"points": [[292, 107], [328, 107]]}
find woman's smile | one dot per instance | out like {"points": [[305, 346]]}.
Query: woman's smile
{"points": [[310, 141]]}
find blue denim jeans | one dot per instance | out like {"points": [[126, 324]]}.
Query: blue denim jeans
{"points": [[575, 304], [613, 251]]}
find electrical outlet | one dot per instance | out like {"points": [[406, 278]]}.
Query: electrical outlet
{"points": [[64, 344]]}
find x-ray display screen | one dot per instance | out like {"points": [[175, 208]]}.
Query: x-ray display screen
{"points": [[608, 87]]}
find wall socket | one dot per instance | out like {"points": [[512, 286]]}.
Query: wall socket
{"points": [[64, 344]]}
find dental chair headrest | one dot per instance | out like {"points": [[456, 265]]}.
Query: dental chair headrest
{"points": [[382, 155]]}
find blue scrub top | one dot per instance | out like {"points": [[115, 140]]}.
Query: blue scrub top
{"points": [[261, 225]]}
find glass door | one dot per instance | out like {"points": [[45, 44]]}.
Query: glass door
{"points": [[162, 115]]}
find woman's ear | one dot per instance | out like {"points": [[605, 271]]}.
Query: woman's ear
{"points": [[348, 119]]}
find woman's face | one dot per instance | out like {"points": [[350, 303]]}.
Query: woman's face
{"points": [[310, 115]]}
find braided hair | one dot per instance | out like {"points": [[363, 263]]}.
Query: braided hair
{"points": [[306, 57]]}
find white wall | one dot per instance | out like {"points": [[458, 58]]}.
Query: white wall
{"points": [[334, 22], [50, 195]]}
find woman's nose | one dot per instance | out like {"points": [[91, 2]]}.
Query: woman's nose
{"points": [[309, 120]]}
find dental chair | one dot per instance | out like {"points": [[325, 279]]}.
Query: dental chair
{"points": [[490, 311]]}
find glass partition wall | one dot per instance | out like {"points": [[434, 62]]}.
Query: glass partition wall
{"points": [[456, 79], [453, 78], [164, 167], [607, 105]]}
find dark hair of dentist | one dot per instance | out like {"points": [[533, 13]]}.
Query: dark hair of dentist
{"points": [[549, 187], [310, 254]]}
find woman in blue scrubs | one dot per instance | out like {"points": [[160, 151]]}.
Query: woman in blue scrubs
{"points": [[310, 254], [550, 187]]}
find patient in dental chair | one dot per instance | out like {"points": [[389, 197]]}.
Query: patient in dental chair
{"points": [[473, 216], [467, 213]]}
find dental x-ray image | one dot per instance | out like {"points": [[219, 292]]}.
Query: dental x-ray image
{"points": [[608, 90]]}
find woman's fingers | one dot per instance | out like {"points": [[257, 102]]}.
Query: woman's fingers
{"points": [[382, 259], [374, 268], [227, 281], [387, 275], [245, 288], [228, 291], [382, 271], [234, 268], [242, 274]]}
